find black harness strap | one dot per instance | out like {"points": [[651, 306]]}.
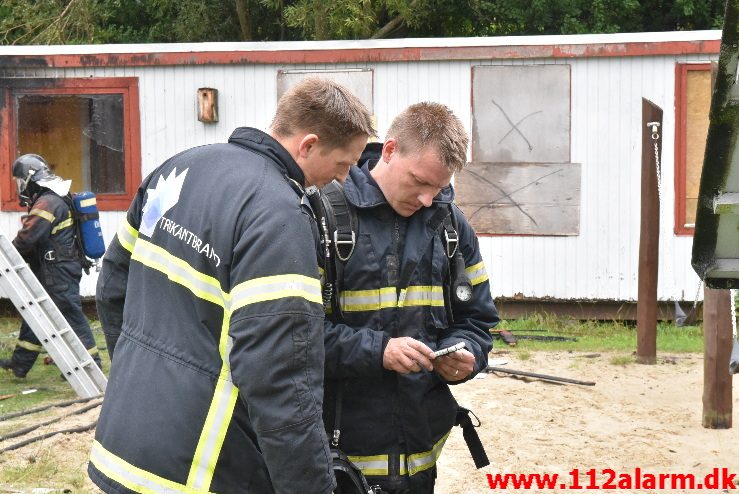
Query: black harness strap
{"points": [[343, 233], [469, 433], [341, 228]]}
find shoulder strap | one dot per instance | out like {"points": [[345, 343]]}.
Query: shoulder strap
{"points": [[78, 247], [344, 218], [341, 225]]}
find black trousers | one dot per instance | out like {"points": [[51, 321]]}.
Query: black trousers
{"points": [[66, 296]]}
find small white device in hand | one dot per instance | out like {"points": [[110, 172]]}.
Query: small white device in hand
{"points": [[449, 349]]}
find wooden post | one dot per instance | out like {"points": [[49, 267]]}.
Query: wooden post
{"points": [[646, 309], [717, 381]]}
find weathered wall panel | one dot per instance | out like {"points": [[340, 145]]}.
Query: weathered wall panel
{"points": [[521, 114], [521, 198]]}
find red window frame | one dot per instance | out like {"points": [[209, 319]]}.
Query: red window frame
{"points": [[126, 86], [681, 129]]}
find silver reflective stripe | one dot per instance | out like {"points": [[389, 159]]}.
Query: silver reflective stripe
{"points": [[133, 477], [213, 435], [177, 270], [276, 287], [476, 273], [423, 461], [365, 300], [371, 465], [384, 298], [219, 417], [424, 295]]}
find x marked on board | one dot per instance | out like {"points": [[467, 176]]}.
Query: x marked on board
{"points": [[514, 126], [508, 195]]}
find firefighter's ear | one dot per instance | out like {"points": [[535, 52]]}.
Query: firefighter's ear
{"points": [[307, 145], [388, 149]]}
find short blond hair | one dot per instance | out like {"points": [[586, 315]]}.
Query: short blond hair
{"points": [[325, 108], [431, 125]]}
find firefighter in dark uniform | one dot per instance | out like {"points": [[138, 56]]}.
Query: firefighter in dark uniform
{"points": [[216, 380], [387, 399], [47, 242]]}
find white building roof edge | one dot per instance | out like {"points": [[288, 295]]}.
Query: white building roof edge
{"points": [[574, 39]]}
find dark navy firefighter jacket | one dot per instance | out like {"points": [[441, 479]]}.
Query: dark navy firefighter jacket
{"points": [[394, 426], [216, 381]]}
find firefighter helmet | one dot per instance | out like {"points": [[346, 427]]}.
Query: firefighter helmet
{"points": [[34, 168]]}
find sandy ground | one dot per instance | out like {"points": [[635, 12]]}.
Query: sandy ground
{"points": [[636, 416]]}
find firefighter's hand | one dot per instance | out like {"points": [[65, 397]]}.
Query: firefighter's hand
{"points": [[455, 366], [405, 354]]}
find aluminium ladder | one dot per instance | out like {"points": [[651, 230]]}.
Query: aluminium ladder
{"points": [[21, 286]]}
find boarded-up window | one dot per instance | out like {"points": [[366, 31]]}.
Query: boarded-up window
{"points": [[358, 81], [521, 181], [86, 129], [693, 102]]}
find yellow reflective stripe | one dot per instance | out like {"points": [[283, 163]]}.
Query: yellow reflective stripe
{"points": [[42, 214], [423, 461], [93, 351], [219, 417], [62, 225], [29, 346], [385, 298], [476, 273], [366, 300], [379, 464], [372, 465], [88, 202], [276, 287], [423, 296], [127, 235], [133, 477], [178, 271]]}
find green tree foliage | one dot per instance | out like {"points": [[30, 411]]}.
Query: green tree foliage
{"points": [[152, 21]]}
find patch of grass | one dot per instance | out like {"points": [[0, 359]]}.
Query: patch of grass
{"points": [[595, 336], [45, 379], [622, 360], [523, 355], [43, 468]]}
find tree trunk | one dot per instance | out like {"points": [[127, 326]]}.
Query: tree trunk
{"points": [[388, 28], [242, 10]]}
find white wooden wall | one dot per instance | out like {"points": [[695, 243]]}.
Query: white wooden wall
{"points": [[600, 263]]}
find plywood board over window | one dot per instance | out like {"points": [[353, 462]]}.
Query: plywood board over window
{"points": [[521, 181], [693, 89], [358, 81]]}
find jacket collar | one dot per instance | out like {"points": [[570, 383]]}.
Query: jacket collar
{"points": [[264, 144]]}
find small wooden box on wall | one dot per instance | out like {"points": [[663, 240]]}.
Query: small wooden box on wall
{"points": [[207, 104]]}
